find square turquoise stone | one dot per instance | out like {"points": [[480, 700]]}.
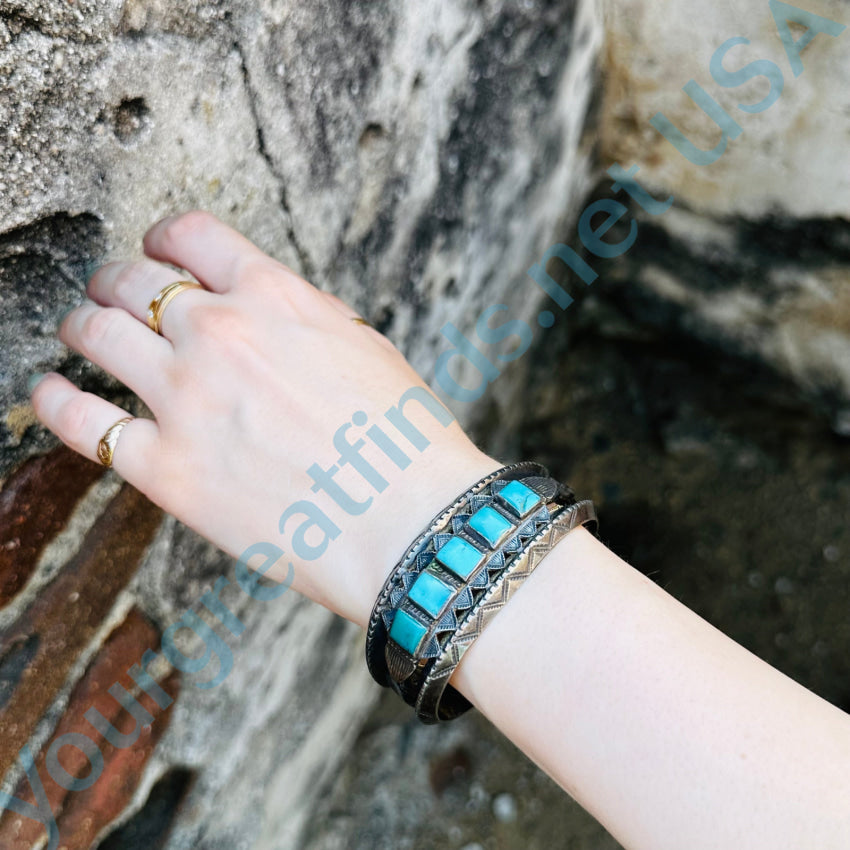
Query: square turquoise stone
{"points": [[430, 594], [459, 556], [407, 632], [519, 498], [491, 525]]}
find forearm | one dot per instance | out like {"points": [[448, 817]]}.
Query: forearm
{"points": [[667, 731]]}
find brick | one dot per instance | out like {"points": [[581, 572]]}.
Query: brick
{"points": [[63, 620], [81, 815], [35, 504]]}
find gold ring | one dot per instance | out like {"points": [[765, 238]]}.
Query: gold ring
{"points": [[163, 299], [358, 321], [106, 446]]}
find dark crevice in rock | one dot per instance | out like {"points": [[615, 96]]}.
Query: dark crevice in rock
{"points": [[824, 397], [65, 240], [43, 268], [148, 829], [481, 134], [761, 245], [130, 119], [371, 133], [307, 268], [769, 260], [384, 320], [19, 23], [780, 239], [349, 49]]}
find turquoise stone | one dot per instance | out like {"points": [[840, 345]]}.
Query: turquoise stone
{"points": [[520, 498], [490, 524], [430, 594], [407, 632], [460, 556]]}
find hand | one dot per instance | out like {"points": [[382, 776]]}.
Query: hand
{"points": [[248, 384]]}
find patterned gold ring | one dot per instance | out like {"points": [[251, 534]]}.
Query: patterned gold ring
{"points": [[163, 299], [106, 446]]}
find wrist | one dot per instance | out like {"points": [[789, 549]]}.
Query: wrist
{"points": [[399, 514]]}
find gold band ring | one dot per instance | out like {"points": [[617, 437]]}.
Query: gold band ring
{"points": [[106, 446], [358, 321], [163, 299]]}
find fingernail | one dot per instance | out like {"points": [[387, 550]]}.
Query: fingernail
{"points": [[64, 315], [90, 269], [162, 220], [34, 380]]}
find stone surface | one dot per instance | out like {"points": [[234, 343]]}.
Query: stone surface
{"points": [[699, 394], [792, 157], [754, 256]]}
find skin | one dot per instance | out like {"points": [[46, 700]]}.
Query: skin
{"points": [[668, 732]]}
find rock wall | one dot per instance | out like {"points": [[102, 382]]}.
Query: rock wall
{"points": [[401, 155], [754, 256]]}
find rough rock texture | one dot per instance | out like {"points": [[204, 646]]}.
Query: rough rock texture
{"points": [[754, 257], [401, 155]]}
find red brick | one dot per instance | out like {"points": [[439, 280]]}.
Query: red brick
{"points": [[63, 620], [81, 815], [35, 504]]}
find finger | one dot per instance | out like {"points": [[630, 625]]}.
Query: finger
{"points": [[112, 338], [80, 419], [202, 244], [133, 286]]}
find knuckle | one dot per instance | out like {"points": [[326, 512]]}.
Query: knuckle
{"points": [[127, 282], [297, 298], [73, 419], [176, 230], [215, 321], [101, 325], [262, 280], [124, 286]]}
